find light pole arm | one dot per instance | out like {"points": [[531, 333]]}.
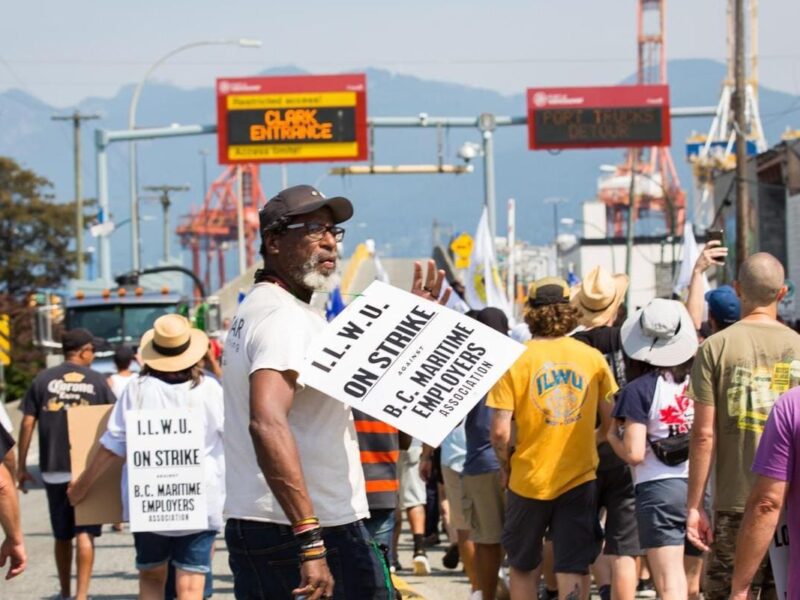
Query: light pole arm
{"points": [[138, 91]]}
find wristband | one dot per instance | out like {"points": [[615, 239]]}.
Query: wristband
{"points": [[306, 521], [317, 555]]}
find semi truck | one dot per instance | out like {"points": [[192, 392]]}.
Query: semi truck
{"points": [[120, 315]]}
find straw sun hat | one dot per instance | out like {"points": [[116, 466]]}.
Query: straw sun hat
{"points": [[173, 344], [598, 296]]}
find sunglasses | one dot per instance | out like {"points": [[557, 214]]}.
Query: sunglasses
{"points": [[316, 231]]}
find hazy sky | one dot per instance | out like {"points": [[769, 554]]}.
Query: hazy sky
{"points": [[64, 51]]}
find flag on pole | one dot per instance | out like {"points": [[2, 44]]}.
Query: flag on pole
{"points": [[483, 286], [334, 305], [691, 252], [454, 301], [380, 272]]}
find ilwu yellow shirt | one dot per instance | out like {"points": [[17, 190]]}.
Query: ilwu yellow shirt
{"points": [[553, 389]]}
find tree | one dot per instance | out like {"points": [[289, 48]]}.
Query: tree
{"points": [[35, 253], [35, 234]]}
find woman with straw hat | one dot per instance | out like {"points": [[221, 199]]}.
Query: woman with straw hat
{"points": [[655, 416], [170, 379]]}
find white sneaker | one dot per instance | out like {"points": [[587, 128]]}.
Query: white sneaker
{"points": [[421, 565]]}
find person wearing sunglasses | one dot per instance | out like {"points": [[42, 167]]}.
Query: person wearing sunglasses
{"points": [[295, 487]]}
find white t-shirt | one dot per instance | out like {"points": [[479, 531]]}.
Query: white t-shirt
{"points": [[119, 382], [663, 406], [151, 393], [272, 330]]}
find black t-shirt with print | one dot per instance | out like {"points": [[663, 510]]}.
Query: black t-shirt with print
{"points": [[608, 341], [53, 392]]}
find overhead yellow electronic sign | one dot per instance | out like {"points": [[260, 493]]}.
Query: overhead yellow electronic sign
{"points": [[292, 119]]}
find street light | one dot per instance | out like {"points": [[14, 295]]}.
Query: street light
{"points": [[569, 222], [555, 201], [243, 43]]}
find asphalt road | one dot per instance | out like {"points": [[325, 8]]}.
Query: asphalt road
{"points": [[116, 577]]}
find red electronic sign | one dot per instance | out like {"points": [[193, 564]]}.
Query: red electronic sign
{"points": [[598, 117], [292, 118]]}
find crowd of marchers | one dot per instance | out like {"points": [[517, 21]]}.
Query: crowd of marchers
{"points": [[657, 444]]}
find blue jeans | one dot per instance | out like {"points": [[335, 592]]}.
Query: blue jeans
{"points": [[264, 563], [380, 526]]}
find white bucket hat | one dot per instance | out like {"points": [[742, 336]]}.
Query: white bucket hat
{"points": [[661, 334], [173, 344]]}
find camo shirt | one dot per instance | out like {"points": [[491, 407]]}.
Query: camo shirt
{"points": [[742, 371]]}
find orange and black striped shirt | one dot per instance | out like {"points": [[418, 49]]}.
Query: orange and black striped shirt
{"points": [[380, 448]]}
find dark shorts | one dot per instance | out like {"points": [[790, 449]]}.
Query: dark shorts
{"points": [[661, 514], [572, 519], [263, 559], [190, 553], [62, 514], [615, 493]]}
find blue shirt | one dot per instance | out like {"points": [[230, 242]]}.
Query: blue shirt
{"points": [[480, 454], [454, 449]]}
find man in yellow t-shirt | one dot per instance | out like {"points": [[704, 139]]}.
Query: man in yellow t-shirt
{"points": [[552, 391]]}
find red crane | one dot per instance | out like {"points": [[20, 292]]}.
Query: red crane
{"points": [[656, 184], [213, 228]]}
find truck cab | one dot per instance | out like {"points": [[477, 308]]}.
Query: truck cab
{"points": [[120, 316]]}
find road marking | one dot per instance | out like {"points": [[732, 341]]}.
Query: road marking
{"points": [[406, 591]]}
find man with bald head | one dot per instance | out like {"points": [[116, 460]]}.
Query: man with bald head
{"points": [[738, 375]]}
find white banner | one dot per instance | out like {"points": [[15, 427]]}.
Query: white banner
{"points": [[407, 361], [779, 557], [166, 484]]}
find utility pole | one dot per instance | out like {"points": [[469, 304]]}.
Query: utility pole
{"points": [[631, 225], [76, 119], [487, 123], [555, 201], [165, 191], [740, 122]]}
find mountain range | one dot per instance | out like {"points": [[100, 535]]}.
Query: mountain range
{"points": [[397, 211]]}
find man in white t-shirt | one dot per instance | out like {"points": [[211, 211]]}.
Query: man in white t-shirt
{"points": [[295, 486]]}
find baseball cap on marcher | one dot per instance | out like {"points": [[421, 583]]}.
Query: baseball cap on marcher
{"points": [[661, 334], [79, 337], [301, 200], [548, 290], [724, 305]]}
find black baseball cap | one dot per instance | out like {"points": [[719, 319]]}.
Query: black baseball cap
{"points": [[301, 200], [79, 337], [548, 290]]}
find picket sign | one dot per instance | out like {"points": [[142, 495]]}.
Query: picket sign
{"points": [[779, 557], [166, 483], [409, 362]]}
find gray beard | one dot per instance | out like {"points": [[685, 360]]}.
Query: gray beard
{"points": [[314, 280]]}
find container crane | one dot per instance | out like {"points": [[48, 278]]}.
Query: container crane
{"points": [[647, 174]]}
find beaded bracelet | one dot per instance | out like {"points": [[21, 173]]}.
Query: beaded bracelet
{"points": [[309, 535]]}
